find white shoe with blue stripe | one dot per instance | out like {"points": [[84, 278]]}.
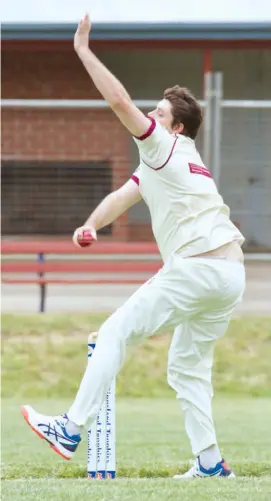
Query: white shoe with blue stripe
{"points": [[197, 471], [53, 430]]}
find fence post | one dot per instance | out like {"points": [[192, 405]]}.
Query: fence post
{"points": [[207, 124], [42, 285], [217, 123]]}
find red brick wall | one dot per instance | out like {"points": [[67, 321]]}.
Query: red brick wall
{"points": [[45, 74], [51, 134]]}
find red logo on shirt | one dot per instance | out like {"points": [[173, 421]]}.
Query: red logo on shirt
{"points": [[199, 169]]}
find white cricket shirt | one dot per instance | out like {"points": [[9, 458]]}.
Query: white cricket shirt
{"points": [[187, 212]]}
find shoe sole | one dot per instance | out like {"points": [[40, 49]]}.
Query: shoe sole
{"points": [[26, 418]]}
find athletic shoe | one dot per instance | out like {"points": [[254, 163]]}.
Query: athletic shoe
{"points": [[52, 429], [197, 471]]}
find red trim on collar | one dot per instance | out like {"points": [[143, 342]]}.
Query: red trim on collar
{"points": [[149, 131]]}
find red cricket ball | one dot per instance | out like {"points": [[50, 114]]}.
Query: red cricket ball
{"points": [[86, 239]]}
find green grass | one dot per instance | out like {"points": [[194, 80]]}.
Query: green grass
{"points": [[43, 359], [151, 442], [138, 490], [48, 353]]}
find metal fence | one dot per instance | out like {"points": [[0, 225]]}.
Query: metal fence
{"points": [[51, 198], [245, 173], [238, 150], [235, 144]]}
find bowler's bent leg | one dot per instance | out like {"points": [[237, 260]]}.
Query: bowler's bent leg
{"points": [[142, 315]]}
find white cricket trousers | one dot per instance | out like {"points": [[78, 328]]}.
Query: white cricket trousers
{"points": [[196, 296]]}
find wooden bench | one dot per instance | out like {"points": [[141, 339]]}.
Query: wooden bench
{"points": [[108, 263]]}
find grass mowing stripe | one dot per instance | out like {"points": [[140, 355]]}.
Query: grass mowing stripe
{"points": [[9, 472], [49, 352], [138, 490], [151, 440]]}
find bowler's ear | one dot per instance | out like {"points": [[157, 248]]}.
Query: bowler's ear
{"points": [[178, 129]]}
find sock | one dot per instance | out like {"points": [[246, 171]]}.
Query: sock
{"points": [[73, 428], [210, 457]]}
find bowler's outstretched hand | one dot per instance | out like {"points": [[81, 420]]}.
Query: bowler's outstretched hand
{"points": [[81, 37]]}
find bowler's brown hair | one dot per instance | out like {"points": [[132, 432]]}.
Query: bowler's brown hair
{"points": [[185, 110]]}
